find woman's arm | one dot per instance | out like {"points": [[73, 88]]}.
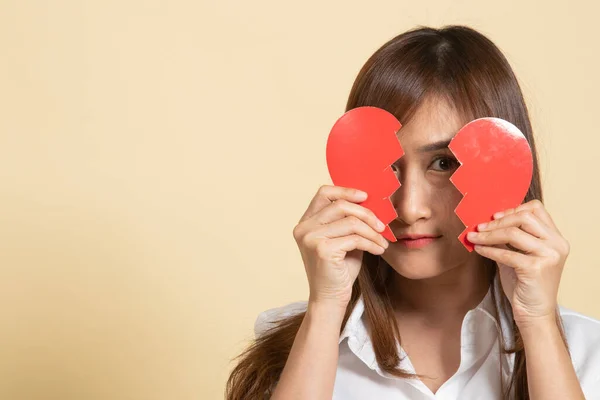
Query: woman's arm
{"points": [[530, 271], [332, 236], [550, 372], [309, 373]]}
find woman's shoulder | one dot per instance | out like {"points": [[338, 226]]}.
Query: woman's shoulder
{"points": [[266, 319], [580, 326], [583, 338]]}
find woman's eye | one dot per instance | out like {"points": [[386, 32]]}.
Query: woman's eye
{"points": [[445, 164]]}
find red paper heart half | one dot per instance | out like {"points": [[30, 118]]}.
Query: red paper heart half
{"points": [[495, 171], [361, 147]]}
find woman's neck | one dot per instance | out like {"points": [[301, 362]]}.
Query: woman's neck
{"points": [[448, 295]]}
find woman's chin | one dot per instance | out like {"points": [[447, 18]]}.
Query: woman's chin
{"points": [[423, 268], [419, 273]]}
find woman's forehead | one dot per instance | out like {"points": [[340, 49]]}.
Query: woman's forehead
{"points": [[433, 122]]}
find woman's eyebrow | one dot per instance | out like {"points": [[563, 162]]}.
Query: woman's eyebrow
{"points": [[442, 144]]}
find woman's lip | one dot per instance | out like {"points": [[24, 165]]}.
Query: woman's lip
{"points": [[417, 243]]}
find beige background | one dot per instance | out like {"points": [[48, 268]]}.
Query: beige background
{"points": [[156, 155]]}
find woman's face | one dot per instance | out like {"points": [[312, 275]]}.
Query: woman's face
{"points": [[426, 199]]}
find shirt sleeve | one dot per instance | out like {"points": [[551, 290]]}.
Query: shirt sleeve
{"points": [[588, 370], [583, 339], [268, 319]]}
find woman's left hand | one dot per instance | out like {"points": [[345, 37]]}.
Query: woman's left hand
{"points": [[531, 254]]}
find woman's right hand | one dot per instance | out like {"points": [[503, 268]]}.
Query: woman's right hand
{"points": [[332, 235]]}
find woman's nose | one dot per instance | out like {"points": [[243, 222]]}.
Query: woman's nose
{"points": [[411, 200]]}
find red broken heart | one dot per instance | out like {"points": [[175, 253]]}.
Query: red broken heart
{"points": [[361, 147], [495, 172]]}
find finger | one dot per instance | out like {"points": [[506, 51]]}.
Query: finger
{"points": [[507, 257], [512, 235], [536, 206], [523, 219], [349, 226], [327, 194], [354, 242], [342, 208]]}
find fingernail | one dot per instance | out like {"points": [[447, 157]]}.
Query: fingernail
{"points": [[471, 235], [482, 226], [380, 226], [499, 214], [361, 195]]}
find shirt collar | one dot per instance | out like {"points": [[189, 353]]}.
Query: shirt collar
{"points": [[480, 319]]}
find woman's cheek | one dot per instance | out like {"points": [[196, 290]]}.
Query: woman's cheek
{"points": [[448, 198]]}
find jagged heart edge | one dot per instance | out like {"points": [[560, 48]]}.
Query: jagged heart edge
{"points": [[459, 189], [388, 198]]}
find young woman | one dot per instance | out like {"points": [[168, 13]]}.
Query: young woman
{"points": [[423, 318]]}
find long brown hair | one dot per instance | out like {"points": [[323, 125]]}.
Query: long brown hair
{"points": [[467, 69]]}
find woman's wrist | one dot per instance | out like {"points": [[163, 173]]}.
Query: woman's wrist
{"points": [[326, 312], [532, 329]]}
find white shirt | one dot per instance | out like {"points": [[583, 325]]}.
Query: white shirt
{"points": [[358, 375]]}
